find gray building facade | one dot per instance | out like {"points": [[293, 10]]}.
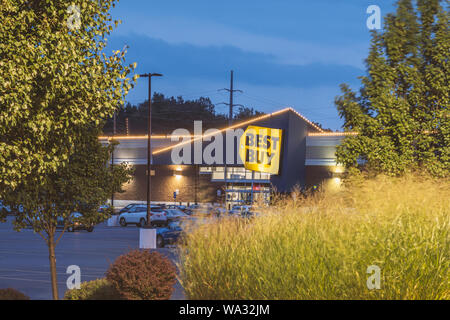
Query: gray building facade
{"points": [[307, 159]]}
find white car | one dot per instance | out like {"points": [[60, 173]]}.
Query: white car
{"points": [[138, 215]]}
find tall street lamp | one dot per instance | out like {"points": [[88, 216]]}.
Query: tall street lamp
{"points": [[149, 134]]}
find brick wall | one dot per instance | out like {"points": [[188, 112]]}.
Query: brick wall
{"points": [[191, 185]]}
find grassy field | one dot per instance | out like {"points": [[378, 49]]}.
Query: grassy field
{"points": [[320, 247]]}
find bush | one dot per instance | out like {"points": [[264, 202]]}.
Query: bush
{"points": [[320, 247], [12, 294], [99, 289], [143, 275]]}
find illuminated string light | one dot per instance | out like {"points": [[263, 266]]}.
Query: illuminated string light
{"points": [[142, 137], [193, 138], [324, 134], [238, 125], [307, 120]]}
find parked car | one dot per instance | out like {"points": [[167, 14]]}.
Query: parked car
{"points": [[189, 210], [193, 206], [182, 207], [250, 214], [77, 225], [219, 211], [175, 215], [240, 210], [129, 207], [203, 210], [5, 208], [138, 215], [244, 211], [9, 209], [103, 207], [74, 223], [176, 206], [168, 235]]}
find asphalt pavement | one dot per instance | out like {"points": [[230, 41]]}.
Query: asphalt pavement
{"points": [[24, 263]]}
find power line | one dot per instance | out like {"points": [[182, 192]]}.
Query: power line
{"points": [[265, 100], [231, 90]]}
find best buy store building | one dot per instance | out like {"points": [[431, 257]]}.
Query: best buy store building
{"points": [[306, 159]]}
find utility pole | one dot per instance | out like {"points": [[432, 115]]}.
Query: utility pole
{"points": [[197, 173], [112, 155], [231, 90], [149, 134], [230, 117]]}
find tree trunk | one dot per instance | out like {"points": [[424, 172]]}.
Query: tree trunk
{"points": [[52, 258]]}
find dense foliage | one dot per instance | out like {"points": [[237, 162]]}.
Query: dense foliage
{"points": [[12, 294], [321, 247], [56, 88], [82, 185], [54, 80], [143, 275], [402, 110], [99, 289], [172, 113]]}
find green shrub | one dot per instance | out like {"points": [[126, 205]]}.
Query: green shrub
{"points": [[143, 275], [12, 294], [99, 289], [320, 247]]}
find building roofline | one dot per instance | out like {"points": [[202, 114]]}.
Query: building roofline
{"points": [[196, 138], [332, 134], [238, 125], [143, 137]]}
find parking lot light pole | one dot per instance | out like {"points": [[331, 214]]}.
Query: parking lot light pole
{"points": [[149, 133], [112, 158]]}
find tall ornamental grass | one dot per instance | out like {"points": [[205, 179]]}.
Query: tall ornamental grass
{"points": [[320, 247]]}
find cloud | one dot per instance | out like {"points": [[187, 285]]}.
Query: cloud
{"points": [[182, 30], [211, 62], [289, 53]]}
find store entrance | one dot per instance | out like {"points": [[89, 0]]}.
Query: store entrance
{"points": [[244, 195]]}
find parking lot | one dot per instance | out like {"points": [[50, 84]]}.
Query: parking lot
{"points": [[24, 261]]}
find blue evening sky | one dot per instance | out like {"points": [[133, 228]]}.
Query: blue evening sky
{"points": [[283, 53]]}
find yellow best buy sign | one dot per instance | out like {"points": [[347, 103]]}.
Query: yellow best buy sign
{"points": [[260, 149]]}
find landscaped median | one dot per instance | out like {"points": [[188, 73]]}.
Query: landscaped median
{"points": [[137, 275], [398, 227]]}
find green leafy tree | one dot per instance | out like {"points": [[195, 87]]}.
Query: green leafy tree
{"points": [[54, 79], [402, 109], [56, 86], [82, 185], [245, 113], [168, 114]]}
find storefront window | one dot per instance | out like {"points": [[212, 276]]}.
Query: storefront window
{"points": [[234, 173], [206, 170], [216, 175]]}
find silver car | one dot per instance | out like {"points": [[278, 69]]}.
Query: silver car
{"points": [[175, 215], [138, 215]]}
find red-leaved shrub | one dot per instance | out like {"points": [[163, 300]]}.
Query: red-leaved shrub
{"points": [[143, 275]]}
